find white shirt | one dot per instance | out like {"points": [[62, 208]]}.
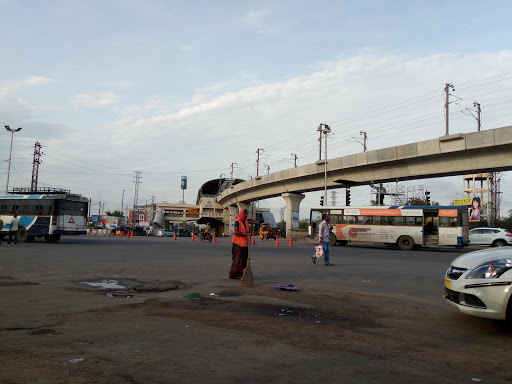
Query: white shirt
{"points": [[14, 224], [323, 233]]}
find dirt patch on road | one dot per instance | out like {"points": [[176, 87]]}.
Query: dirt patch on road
{"points": [[168, 337]]}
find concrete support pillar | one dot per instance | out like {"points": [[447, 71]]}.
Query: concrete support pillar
{"points": [[292, 208], [241, 205]]}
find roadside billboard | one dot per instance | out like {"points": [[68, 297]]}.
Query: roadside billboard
{"points": [[474, 207]]}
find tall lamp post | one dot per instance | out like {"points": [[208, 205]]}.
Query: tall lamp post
{"points": [[10, 155]]}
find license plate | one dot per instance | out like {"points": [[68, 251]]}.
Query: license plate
{"points": [[447, 283]]}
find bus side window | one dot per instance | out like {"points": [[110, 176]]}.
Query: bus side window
{"points": [[335, 219], [3, 209], [14, 209], [350, 220], [399, 220]]}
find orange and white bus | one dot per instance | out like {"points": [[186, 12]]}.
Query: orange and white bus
{"points": [[404, 226]]}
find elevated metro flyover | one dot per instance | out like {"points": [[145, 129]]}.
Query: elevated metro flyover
{"points": [[457, 154]]}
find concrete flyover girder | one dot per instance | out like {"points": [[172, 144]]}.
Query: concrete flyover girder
{"points": [[457, 154]]}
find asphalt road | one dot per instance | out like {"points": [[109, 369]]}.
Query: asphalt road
{"points": [[357, 268], [384, 315]]}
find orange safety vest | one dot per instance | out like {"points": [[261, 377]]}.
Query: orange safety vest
{"points": [[242, 241]]}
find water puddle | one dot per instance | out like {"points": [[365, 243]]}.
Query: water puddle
{"points": [[106, 284]]}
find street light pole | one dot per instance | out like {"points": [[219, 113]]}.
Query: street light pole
{"points": [[10, 155]]}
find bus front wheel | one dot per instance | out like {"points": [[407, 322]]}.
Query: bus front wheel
{"points": [[22, 235], [52, 238], [332, 239], [405, 243]]}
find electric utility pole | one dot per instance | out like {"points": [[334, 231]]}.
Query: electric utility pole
{"points": [[326, 129], [479, 114], [232, 166], [365, 138], [295, 159], [447, 104], [258, 160], [320, 142]]}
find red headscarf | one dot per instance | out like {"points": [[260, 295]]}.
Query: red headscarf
{"points": [[241, 215]]}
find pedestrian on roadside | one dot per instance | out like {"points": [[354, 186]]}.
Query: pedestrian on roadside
{"points": [[13, 230], [323, 236], [240, 251]]}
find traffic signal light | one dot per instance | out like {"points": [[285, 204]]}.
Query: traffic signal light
{"points": [[347, 197], [427, 197], [322, 201]]}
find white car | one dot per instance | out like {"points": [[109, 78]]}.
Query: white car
{"points": [[480, 284], [496, 237], [165, 233]]}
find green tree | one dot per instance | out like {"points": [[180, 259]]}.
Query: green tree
{"points": [[116, 213], [304, 224], [506, 222]]}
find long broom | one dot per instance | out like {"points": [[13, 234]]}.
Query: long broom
{"points": [[247, 279]]}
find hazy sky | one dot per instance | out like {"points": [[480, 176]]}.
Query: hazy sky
{"points": [[173, 88]]}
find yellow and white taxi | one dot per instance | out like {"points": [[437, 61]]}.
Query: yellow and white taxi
{"points": [[480, 284]]}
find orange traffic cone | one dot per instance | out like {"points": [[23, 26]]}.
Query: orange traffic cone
{"points": [[174, 238], [291, 244], [192, 236], [120, 233], [213, 241], [253, 240], [277, 242], [132, 235]]}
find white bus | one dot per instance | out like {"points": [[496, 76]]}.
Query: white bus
{"points": [[47, 215], [405, 227]]}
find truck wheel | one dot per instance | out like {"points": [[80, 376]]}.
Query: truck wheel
{"points": [[406, 243]]}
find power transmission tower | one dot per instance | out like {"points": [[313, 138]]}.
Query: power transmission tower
{"points": [[334, 195], [35, 166], [138, 177]]}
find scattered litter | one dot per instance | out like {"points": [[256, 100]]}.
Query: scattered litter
{"points": [[287, 287], [476, 379], [75, 361], [366, 281], [213, 294], [187, 326], [194, 296], [128, 297], [281, 314], [110, 295], [317, 321], [110, 284], [137, 351]]}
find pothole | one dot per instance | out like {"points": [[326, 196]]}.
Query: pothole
{"points": [[126, 288]]}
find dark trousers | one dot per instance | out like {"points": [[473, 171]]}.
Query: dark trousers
{"points": [[15, 233]]}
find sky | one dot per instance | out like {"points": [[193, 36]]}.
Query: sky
{"points": [[172, 89]]}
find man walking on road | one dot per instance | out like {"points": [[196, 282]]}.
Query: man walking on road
{"points": [[13, 230], [323, 235]]}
